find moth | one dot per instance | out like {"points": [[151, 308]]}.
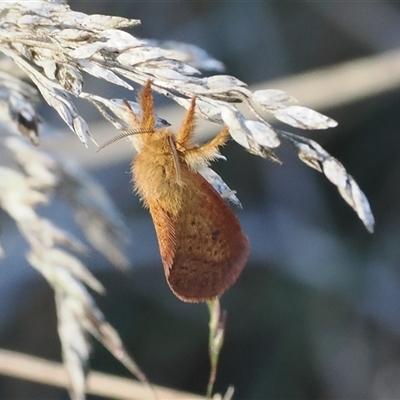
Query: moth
{"points": [[202, 246]]}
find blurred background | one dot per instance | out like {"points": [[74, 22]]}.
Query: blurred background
{"points": [[316, 313]]}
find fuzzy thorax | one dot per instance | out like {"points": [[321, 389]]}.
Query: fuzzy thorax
{"points": [[156, 171]]}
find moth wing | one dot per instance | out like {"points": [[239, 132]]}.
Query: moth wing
{"points": [[202, 247]]}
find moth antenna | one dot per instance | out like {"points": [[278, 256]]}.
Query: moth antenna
{"points": [[122, 135], [175, 157], [133, 117]]}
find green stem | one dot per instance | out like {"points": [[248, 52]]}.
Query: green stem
{"points": [[216, 339]]}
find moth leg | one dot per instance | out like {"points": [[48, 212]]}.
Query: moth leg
{"points": [[147, 105], [200, 155], [185, 133]]}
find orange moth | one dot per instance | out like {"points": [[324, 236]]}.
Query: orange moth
{"points": [[202, 246]]}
